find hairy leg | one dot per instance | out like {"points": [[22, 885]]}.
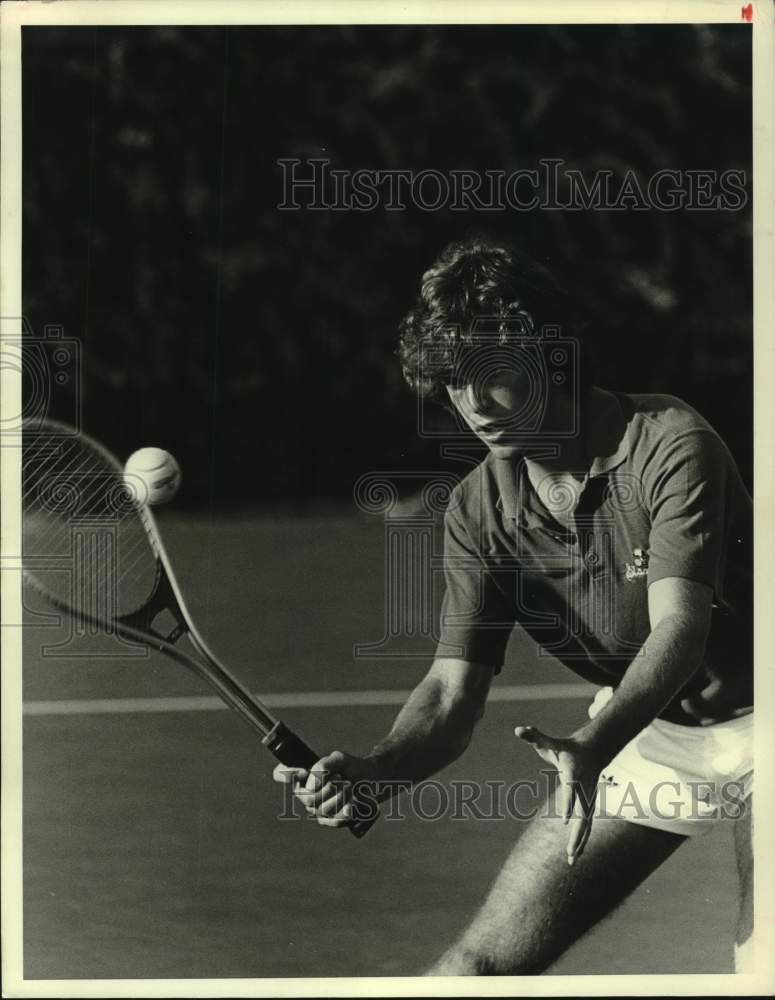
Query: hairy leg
{"points": [[744, 856], [539, 905]]}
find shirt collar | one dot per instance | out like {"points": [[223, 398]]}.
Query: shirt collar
{"points": [[606, 434]]}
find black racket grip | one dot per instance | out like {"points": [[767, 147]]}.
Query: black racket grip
{"points": [[292, 751]]}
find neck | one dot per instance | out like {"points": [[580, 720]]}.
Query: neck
{"points": [[563, 456]]}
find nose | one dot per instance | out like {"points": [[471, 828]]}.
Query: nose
{"points": [[471, 398], [477, 398]]}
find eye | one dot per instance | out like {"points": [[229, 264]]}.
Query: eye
{"points": [[507, 374]]}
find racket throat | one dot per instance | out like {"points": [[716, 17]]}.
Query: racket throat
{"points": [[180, 630], [146, 621]]}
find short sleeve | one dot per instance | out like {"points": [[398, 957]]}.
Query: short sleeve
{"points": [[477, 616], [688, 506]]}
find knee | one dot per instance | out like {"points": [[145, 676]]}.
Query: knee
{"points": [[483, 963], [491, 965], [463, 961]]}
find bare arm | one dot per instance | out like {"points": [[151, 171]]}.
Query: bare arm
{"points": [[432, 729], [679, 613], [434, 726]]}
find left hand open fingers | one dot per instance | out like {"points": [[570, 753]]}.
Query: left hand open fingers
{"points": [[565, 800], [547, 747], [568, 800], [580, 828], [585, 837]]}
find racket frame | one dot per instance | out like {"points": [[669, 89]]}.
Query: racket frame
{"points": [[166, 595]]}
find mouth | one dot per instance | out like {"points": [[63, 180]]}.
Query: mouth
{"points": [[493, 428]]}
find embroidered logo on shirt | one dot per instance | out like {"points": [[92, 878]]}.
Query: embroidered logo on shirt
{"points": [[639, 567]]}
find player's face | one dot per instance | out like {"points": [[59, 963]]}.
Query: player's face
{"points": [[492, 401]]}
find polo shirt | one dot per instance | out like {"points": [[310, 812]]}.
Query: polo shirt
{"points": [[663, 498]]}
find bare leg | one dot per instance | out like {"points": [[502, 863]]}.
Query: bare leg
{"points": [[744, 856], [539, 905]]}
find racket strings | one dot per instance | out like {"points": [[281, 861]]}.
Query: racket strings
{"points": [[84, 542]]}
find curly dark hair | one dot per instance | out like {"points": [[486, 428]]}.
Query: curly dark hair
{"points": [[476, 291]]}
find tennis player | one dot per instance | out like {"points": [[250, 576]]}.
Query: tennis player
{"points": [[616, 531]]}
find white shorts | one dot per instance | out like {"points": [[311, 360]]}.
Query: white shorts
{"points": [[683, 779]]}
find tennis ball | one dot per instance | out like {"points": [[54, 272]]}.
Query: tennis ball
{"points": [[152, 476]]}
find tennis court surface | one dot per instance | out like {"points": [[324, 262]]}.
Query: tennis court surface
{"points": [[152, 843]]}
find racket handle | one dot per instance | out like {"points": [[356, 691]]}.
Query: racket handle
{"points": [[292, 751], [289, 748]]}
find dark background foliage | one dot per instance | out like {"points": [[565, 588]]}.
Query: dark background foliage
{"points": [[258, 344]]}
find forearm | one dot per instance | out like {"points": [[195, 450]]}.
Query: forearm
{"points": [[432, 729], [669, 657]]}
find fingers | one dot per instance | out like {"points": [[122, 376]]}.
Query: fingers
{"points": [[334, 803], [577, 790], [315, 795], [568, 800], [585, 837], [581, 827], [322, 791], [545, 746], [580, 820], [323, 770], [289, 775], [529, 734], [330, 804], [336, 812]]}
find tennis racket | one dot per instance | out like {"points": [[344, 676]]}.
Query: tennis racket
{"points": [[92, 549]]}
